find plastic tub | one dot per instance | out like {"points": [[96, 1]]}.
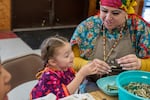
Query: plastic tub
{"points": [[125, 78]]}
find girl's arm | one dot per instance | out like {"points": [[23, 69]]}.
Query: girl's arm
{"points": [[75, 83], [88, 69]]}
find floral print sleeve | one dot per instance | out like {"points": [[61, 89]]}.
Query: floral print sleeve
{"points": [[85, 35], [140, 36], [53, 82]]}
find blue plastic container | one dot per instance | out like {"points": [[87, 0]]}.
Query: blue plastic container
{"points": [[125, 78]]}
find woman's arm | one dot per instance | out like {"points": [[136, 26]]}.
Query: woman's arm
{"points": [[145, 64], [78, 61]]}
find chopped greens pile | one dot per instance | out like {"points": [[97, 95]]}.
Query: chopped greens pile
{"points": [[139, 89]]}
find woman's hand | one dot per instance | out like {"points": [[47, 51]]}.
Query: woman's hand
{"points": [[129, 62]]}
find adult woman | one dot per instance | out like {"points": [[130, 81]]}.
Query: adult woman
{"points": [[116, 34], [4, 83]]}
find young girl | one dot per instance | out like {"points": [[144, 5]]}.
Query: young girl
{"points": [[58, 76]]}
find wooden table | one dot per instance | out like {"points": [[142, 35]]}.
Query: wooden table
{"points": [[99, 95]]}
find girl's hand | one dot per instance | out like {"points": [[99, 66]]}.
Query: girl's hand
{"points": [[103, 67], [129, 62], [88, 69]]}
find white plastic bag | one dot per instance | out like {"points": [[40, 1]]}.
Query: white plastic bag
{"points": [[50, 96]]}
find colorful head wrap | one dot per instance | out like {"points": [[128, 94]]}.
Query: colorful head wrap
{"points": [[127, 5]]}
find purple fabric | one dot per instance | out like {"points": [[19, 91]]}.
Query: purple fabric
{"points": [[51, 82]]}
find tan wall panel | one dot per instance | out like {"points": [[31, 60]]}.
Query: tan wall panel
{"points": [[5, 21], [92, 7], [139, 7]]}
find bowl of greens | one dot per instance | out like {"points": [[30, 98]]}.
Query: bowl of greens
{"points": [[108, 85], [133, 85]]}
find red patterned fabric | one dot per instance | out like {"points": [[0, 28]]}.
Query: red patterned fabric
{"points": [[111, 3]]}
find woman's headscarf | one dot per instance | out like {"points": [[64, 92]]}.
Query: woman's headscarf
{"points": [[127, 5]]}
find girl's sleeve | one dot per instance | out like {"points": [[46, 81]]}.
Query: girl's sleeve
{"points": [[49, 83]]}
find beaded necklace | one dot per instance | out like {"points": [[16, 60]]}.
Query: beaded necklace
{"points": [[113, 46]]}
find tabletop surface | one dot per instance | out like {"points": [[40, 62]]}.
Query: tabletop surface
{"points": [[99, 95]]}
